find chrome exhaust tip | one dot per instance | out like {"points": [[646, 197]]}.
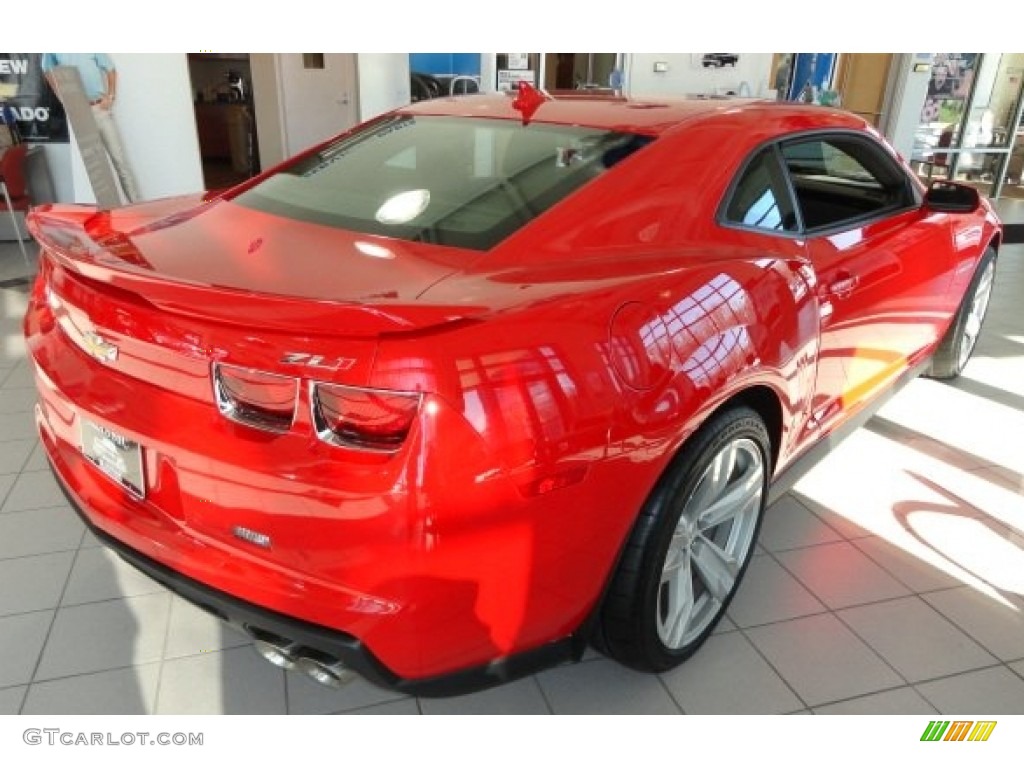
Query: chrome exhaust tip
{"points": [[333, 674], [277, 650]]}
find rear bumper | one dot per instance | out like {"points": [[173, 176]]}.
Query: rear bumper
{"points": [[248, 617], [425, 564]]}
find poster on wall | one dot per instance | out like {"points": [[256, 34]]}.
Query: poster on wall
{"points": [[950, 85], [40, 116], [507, 79]]}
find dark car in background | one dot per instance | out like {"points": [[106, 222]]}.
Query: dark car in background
{"points": [[720, 59]]}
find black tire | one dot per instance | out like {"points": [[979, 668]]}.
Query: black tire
{"points": [[957, 346], [632, 626]]}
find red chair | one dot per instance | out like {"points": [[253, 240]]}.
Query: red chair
{"points": [[15, 191]]}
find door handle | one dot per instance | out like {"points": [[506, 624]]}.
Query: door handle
{"points": [[843, 285]]}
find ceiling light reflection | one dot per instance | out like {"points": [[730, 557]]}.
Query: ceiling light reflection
{"points": [[374, 250], [403, 207]]}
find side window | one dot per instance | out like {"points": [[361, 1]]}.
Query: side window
{"points": [[840, 179], [760, 199]]}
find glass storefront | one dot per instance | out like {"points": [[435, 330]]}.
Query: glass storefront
{"points": [[969, 122]]}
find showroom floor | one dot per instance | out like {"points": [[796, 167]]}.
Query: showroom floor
{"points": [[891, 580]]}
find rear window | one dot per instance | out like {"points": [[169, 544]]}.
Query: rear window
{"points": [[462, 182]]}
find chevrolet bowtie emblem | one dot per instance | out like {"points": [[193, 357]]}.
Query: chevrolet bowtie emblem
{"points": [[99, 347]]}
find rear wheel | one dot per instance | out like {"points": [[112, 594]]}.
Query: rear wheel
{"points": [[690, 545], [958, 344]]}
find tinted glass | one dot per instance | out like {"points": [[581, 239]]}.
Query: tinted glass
{"points": [[461, 182], [760, 199], [842, 180]]}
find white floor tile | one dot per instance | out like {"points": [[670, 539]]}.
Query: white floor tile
{"points": [[89, 540], [37, 462], [914, 569], [6, 483], [727, 676], [17, 400], [33, 583], [788, 525], [16, 426], [840, 575], [34, 490], [768, 593], [22, 638], [991, 692], [115, 692], [401, 707], [39, 531], [13, 457], [232, 682], [604, 688], [193, 631], [306, 697], [822, 660], [522, 697], [901, 701], [19, 378], [99, 636], [99, 574], [915, 639], [844, 526], [11, 698], [996, 621]]}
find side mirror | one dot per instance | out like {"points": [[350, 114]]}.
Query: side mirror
{"points": [[950, 197]]}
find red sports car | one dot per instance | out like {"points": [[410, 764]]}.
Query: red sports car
{"points": [[485, 379]]}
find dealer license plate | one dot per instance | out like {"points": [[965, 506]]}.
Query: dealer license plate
{"points": [[117, 457]]}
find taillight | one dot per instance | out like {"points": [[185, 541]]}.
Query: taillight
{"points": [[254, 398], [367, 419]]}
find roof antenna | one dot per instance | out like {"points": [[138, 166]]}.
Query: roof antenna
{"points": [[528, 100]]}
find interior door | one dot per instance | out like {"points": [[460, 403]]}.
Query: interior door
{"points": [[862, 78], [319, 97]]}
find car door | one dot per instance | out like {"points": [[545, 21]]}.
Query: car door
{"points": [[759, 208], [883, 266]]}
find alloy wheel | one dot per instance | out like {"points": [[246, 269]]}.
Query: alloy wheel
{"points": [[976, 315], [710, 543]]}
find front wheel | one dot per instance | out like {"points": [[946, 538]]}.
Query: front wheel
{"points": [[957, 346], [690, 545]]}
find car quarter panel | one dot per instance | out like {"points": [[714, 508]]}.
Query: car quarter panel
{"points": [[546, 385]]}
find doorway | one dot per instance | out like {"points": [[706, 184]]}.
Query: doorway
{"points": [[970, 120], [222, 98], [579, 71]]}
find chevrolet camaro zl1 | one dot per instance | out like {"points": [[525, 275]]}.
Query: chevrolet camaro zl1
{"points": [[482, 380]]}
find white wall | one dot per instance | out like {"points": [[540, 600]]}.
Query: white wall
{"points": [[686, 76], [266, 93], [158, 127], [907, 92], [58, 161], [488, 72], [383, 83]]}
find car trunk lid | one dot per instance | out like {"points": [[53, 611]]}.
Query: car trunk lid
{"points": [[228, 264]]}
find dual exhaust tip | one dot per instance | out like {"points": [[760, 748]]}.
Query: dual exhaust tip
{"points": [[287, 654]]}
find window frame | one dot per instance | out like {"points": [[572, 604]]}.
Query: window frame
{"points": [[913, 193], [870, 144]]}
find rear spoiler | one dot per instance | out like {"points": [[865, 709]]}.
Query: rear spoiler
{"points": [[76, 239]]}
